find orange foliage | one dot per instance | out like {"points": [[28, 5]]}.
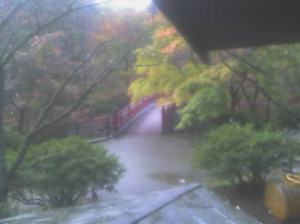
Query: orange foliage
{"points": [[108, 29], [171, 47], [40, 41], [25, 21], [166, 33]]}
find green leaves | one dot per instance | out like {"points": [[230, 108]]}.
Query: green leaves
{"points": [[202, 90], [208, 102], [241, 154], [65, 169], [281, 66]]}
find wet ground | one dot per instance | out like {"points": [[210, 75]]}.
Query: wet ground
{"points": [[153, 161], [191, 204]]}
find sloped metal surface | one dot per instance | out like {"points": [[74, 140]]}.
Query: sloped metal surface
{"points": [[190, 204]]}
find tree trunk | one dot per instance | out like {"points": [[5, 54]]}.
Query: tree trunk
{"points": [[253, 102], [3, 167], [21, 120], [234, 99], [268, 112]]}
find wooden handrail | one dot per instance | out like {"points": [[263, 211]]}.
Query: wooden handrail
{"points": [[124, 116], [105, 127]]}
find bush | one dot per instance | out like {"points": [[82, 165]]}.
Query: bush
{"points": [[283, 120], [292, 154], [12, 139], [4, 210], [61, 171], [241, 154]]}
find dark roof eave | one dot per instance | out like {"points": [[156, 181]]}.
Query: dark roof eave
{"points": [[223, 24]]}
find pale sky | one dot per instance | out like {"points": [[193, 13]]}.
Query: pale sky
{"points": [[135, 4]]}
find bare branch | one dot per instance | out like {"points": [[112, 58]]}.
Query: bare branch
{"points": [[37, 19], [248, 63], [11, 14], [76, 105], [24, 106], [38, 128], [13, 101], [106, 72], [260, 88], [19, 196], [57, 94], [35, 132], [9, 42], [9, 57], [11, 172]]}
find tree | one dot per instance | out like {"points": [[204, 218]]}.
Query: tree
{"points": [[158, 65], [13, 141], [241, 154], [51, 56], [9, 28], [248, 85], [171, 71], [273, 72], [53, 177], [27, 22]]}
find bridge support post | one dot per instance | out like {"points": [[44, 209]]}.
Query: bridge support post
{"points": [[116, 122], [108, 127], [77, 128], [168, 118]]}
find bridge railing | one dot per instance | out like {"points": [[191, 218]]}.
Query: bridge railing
{"points": [[123, 117], [101, 128]]}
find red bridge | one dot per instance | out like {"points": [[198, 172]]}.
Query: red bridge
{"points": [[106, 127]]}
